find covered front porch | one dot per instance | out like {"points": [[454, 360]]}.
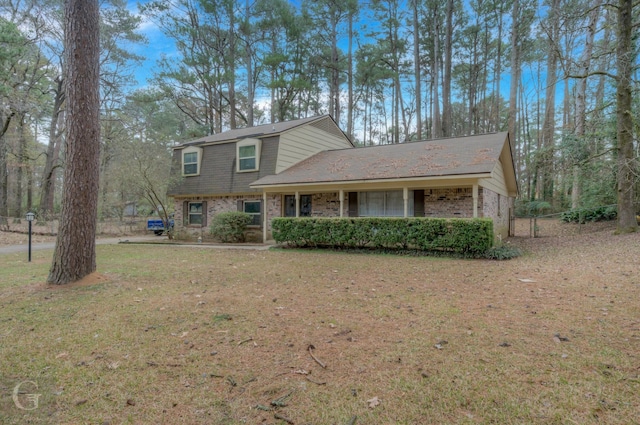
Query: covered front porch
{"points": [[446, 198]]}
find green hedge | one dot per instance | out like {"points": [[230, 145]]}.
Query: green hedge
{"points": [[429, 234]]}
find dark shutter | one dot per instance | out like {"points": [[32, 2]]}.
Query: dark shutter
{"points": [[418, 203], [353, 204], [204, 213], [185, 213]]}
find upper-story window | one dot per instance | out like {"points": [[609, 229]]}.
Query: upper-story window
{"points": [[247, 157], [248, 154], [191, 160]]}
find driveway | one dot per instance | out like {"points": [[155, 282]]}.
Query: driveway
{"points": [[42, 246], [13, 249]]}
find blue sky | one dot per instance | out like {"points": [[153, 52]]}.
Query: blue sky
{"points": [[157, 45]]}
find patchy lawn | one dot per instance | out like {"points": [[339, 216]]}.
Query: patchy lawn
{"points": [[172, 334]]}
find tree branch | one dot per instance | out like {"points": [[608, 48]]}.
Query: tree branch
{"points": [[586, 160], [593, 73]]}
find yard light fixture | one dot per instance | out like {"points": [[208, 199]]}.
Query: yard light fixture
{"points": [[30, 217]]}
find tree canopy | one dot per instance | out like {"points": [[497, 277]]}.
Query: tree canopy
{"points": [[560, 75]]}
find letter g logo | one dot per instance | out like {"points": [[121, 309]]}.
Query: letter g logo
{"points": [[20, 397]]}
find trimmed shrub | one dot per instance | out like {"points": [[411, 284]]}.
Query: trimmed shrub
{"points": [[230, 226], [466, 236]]}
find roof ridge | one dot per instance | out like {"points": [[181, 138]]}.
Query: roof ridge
{"points": [[255, 131]]}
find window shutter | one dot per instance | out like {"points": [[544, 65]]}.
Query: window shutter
{"points": [[353, 204], [240, 205], [418, 203], [204, 213], [185, 213]]}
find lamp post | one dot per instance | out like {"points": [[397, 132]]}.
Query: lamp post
{"points": [[30, 217]]}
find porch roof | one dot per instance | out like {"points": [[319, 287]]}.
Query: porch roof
{"points": [[460, 157]]}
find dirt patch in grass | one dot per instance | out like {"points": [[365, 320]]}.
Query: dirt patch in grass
{"points": [[90, 280], [170, 334]]}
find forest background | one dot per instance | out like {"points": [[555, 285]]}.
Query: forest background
{"points": [[553, 73]]}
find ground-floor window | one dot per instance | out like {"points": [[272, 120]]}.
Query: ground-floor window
{"points": [[384, 204], [290, 206], [195, 213], [254, 209]]}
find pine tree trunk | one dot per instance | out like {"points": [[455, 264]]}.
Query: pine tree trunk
{"points": [[446, 85], [350, 80], [53, 152], [581, 100], [626, 162], [22, 161], [548, 127], [436, 130], [248, 60], [498, 72], [335, 74], [515, 75], [416, 69], [4, 176], [231, 67], [75, 252]]}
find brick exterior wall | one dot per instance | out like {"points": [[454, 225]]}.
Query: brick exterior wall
{"points": [[498, 208], [447, 203], [450, 203], [325, 205], [459, 203], [274, 209], [218, 204]]}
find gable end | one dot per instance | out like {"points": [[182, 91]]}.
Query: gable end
{"points": [[327, 125]]}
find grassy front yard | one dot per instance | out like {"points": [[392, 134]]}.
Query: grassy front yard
{"points": [[170, 335]]}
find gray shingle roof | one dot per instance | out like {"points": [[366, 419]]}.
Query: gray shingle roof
{"points": [[441, 157], [259, 131]]}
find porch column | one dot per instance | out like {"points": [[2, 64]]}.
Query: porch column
{"points": [[475, 200], [405, 197], [297, 204], [341, 196], [265, 219]]}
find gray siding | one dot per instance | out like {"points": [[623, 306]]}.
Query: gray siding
{"points": [[218, 173]]}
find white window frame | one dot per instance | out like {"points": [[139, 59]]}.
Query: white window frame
{"points": [[198, 162], [257, 144]]}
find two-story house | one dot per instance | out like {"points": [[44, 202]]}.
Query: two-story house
{"points": [[308, 167]]}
